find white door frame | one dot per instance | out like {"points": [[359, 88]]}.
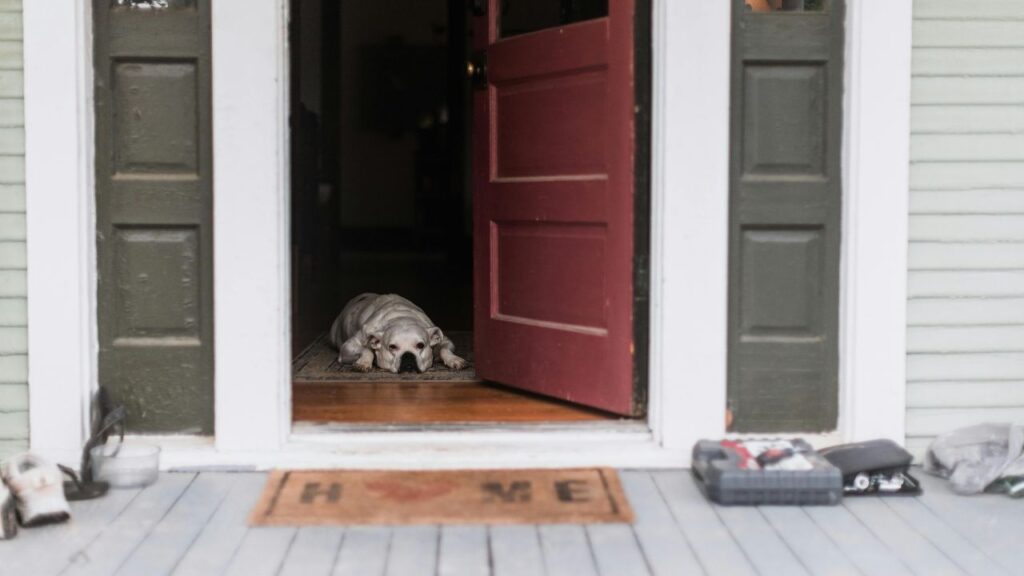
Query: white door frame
{"points": [[690, 190]]}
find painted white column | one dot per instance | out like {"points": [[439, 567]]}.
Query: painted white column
{"points": [[876, 162], [250, 224], [60, 224], [690, 221]]}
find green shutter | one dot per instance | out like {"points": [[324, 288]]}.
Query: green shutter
{"points": [[154, 211], [785, 209]]}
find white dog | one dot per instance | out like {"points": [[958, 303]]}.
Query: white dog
{"points": [[392, 330]]}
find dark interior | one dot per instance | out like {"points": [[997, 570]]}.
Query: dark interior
{"points": [[380, 154]]}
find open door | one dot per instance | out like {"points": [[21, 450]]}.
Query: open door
{"points": [[553, 163]]}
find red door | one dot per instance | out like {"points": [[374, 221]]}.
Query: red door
{"points": [[553, 199]]}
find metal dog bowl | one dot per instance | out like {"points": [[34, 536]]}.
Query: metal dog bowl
{"points": [[128, 465]]}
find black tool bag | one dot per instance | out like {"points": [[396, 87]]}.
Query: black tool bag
{"points": [[879, 467]]}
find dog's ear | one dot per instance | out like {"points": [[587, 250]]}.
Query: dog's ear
{"points": [[373, 341], [435, 335]]}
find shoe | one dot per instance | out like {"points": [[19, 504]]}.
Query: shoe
{"points": [[8, 514], [38, 488]]}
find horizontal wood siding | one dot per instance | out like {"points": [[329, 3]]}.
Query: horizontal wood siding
{"points": [[13, 316], [965, 335]]}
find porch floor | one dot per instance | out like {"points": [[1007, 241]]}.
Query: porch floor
{"points": [[192, 523]]}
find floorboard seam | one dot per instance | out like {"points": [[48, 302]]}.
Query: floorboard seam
{"points": [[870, 532], [786, 542], [965, 536], [540, 549], [590, 549], [679, 526], [923, 537], [163, 517], [490, 551], [878, 538], [643, 554], [936, 546], [99, 532], [728, 530], [287, 550], [234, 553], [199, 533], [139, 543], [437, 551], [830, 539], [337, 551], [387, 551]]}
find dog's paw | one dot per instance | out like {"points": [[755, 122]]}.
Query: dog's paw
{"points": [[455, 363], [363, 366]]}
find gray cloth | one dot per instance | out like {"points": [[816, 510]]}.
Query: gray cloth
{"points": [[972, 458]]}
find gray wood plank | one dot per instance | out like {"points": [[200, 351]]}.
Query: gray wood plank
{"points": [[662, 542], [212, 551], [515, 551], [616, 550], [566, 550], [760, 542], [812, 546], [262, 552], [314, 551], [464, 551], [902, 538], [107, 552], [413, 551], [170, 539], [364, 551], [993, 523], [137, 532], [46, 552], [964, 554], [712, 542], [857, 542]]}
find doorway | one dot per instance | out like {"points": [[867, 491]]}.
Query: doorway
{"points": [[382, 201]]}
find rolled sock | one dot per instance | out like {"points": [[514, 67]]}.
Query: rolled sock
{"points": [[8, 514], [38, 488]]}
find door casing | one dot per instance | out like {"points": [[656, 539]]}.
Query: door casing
{"points": [[689, 235]]}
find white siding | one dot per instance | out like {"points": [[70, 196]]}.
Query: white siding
{"points": [[966, 285], [13, 329]]}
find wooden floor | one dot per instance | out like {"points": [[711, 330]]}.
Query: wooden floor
{"points": [[429, 402], [195, 524]]}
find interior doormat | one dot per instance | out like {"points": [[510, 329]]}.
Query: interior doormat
{"points": [[319, 363], [561, 496]]}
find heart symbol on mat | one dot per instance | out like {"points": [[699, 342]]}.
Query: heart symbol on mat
{"points": [[409, 492]]}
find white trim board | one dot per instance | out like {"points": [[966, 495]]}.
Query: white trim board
{"points": [[250, 225], [876, 197], [61, 227], [689, 226]]}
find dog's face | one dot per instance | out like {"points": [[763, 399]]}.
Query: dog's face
{"points": [[405, 347]]}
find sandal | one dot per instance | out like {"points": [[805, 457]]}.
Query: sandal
{"points": [[109, 420]]}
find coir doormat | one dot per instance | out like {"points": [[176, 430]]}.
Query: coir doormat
{"points": [[318, 497]]}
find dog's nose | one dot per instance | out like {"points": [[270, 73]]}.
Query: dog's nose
{"points": [[408, 363]]}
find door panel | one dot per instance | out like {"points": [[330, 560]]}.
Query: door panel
{"points": [[154, 211], [553, 201], [785, 214]]}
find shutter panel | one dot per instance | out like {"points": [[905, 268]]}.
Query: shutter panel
{"points": [[785, 215], [154, 211]]}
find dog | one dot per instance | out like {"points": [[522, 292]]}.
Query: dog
{"points": [[392, 331]]}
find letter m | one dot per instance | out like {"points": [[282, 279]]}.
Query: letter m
{"points": [[517, 491]]}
